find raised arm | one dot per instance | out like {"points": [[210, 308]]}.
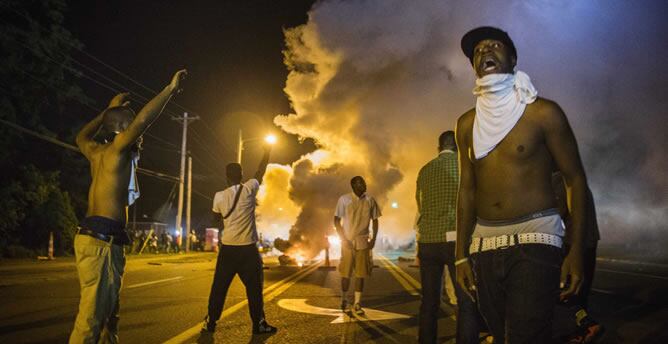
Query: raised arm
{"points": [[561, 142], [263, 164], [465, 209], [85, 136], [148, 114]]}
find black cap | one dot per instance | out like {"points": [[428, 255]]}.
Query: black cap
{"points": [[473, 37]]}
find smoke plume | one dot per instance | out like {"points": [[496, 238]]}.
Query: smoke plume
{"points": [[375, 82]]}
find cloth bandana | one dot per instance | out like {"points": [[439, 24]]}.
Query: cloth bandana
{"points": [[502, 99], [133, 188]]}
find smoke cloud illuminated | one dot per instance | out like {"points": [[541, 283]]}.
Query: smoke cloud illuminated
{"points": [[375, 82]]}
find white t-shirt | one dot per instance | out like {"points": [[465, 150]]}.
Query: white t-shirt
{"points": [[356, 213], [239, 228]]}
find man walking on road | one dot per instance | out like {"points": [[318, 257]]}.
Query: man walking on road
{"points": [[356, 210], [506, 207], [436, 196], [110, 142], [238, 252]]}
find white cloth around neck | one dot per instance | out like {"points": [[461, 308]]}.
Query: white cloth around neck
{"points": [[501, 101]]}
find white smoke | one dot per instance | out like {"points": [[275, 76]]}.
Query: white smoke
{"points": [[375, 82]]}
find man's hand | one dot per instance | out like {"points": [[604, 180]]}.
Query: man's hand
{"points": [[119, 100], [372, 243], [175, 85], [465, 278], [266, 147], [571, 267], [347, 243]]}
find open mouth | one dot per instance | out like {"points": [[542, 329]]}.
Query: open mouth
{"points": [[489, 63]]}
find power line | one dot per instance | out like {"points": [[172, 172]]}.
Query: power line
{"points": [[115, 87]]}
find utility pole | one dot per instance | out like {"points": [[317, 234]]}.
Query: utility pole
{"points": [[240, 147], [179, 213], [189, 196]]}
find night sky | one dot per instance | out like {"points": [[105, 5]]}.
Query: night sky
{"points": [[233, 53]]}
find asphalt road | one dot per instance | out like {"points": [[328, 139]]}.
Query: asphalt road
{"points": [[164, 300]]}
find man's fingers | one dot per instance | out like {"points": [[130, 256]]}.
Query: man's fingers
{"points": [[564, 277], [576, 283], [573, 288]]}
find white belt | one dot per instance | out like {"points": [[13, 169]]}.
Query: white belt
{"points": [[505, 241]]}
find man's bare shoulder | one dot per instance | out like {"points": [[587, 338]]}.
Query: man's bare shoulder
{"points": [[548, 112], [465, 123], [547, 107], [467, 117]]}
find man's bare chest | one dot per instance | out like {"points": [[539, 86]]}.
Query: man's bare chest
{"points": [[521, 145]]}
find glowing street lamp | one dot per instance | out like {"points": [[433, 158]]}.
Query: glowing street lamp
{"points": [[395, 205], [270, 139]]}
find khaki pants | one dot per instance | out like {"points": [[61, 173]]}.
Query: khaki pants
{"points": [[355, 262], [100, 266]]}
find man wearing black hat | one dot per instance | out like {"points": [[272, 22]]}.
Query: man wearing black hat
{"points": [[110, 142], [508, 228]]}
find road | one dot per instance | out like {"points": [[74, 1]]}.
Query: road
{"points": [[164, 300]]}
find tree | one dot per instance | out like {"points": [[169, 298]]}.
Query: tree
{"points": [[37, 83]]}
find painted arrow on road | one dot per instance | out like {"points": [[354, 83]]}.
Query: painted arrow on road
{"points": [[300, 305]]}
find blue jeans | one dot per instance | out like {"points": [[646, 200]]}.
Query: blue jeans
{"points": [[433, 259], [518, 288]]}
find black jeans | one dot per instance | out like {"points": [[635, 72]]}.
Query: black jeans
{"points": [[245, 261], [433, 259], [518, 288]]}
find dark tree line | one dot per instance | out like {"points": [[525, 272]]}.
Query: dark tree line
{"points": [[43, 186]]}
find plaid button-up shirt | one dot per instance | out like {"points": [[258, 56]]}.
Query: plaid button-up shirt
{"points": [[436, 196]]}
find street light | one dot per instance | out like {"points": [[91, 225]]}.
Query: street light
{"points": [[270, 139]]}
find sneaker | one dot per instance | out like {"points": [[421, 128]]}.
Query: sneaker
{"points": [[208, 326], [263, 328], [588, 333], [592, 332], [358, 309], [344, 306]]}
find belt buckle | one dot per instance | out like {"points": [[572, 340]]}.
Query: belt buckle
{"points": [[503, 247]]}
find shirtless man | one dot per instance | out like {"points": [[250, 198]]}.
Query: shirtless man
{"points": [[506, 213], [110, 142]]}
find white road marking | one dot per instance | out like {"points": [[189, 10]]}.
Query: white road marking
{"points": [[269, 293], [603, 291], [637, 274], [400, 276], [300, 305], [153, 282]]}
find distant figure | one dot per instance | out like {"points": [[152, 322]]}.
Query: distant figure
{"points": [[153, 244], [193, 240], [506, 208], [111, 144], [168, 242], [436, 197], [588, 329], [238, 252], [356, 210], [136, 241]]}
